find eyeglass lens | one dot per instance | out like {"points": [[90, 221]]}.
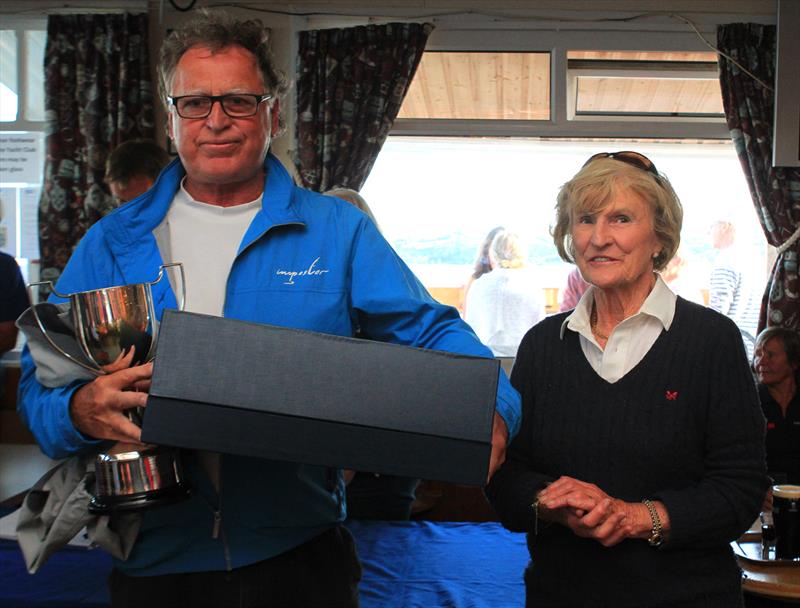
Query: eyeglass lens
{"points": [[199, 106]]}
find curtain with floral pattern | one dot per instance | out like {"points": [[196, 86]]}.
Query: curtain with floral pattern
{"points": [[350, 85], [775, 190], [98, 93]]}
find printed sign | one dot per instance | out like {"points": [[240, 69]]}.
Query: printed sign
{"points": [[21, 157]]}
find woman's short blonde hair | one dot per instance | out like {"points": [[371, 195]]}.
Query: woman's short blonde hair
{"points": [[592, 189]]}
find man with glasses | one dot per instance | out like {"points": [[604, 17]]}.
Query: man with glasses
{"points": [[258, 248]]}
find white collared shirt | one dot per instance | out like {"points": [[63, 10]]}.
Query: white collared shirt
{"points": [[631, 340]]}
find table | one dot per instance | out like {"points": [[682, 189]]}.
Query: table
{"points": [[763, 579]]}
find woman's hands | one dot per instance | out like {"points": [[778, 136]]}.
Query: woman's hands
{"points": [[591, 513]]}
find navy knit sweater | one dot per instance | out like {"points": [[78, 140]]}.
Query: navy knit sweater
{"points": [[683, 427]]}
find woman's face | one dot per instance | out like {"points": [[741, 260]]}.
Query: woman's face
{"points": [[614, 247], [771, 363]]}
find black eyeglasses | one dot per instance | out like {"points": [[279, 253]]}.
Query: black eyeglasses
{"points": [[640, 161], [235, 105]]}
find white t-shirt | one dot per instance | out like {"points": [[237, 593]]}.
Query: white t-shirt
{"points": [[205, 239], [502, 306]]}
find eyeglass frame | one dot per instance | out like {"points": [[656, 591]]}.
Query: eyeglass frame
{"points": [[260, 98], [629, 157]]}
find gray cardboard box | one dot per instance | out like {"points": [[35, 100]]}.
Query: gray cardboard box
{"points": [[285, 394]]}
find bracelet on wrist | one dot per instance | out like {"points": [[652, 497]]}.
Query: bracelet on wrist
{"points": [[656, 531]]}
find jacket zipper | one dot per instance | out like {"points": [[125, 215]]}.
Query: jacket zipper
{"points": [[217, 532]]}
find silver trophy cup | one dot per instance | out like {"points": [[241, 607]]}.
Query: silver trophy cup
{"points": [[116, 328]]}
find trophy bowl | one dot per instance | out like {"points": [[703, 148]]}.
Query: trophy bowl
{"points": [[115, 328], [113, 323]]}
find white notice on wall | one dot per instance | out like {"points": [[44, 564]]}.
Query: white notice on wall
{"points": [[8, 220], [29, 223], [21, 155]]}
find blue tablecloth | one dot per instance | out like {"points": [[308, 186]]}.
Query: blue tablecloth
{"points": [[406, 565]]}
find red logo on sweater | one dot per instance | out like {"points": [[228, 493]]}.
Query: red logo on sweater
{"points": [[672, 395], [770, 426]]}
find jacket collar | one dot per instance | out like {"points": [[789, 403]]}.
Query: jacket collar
{"points": [[129, 229]]}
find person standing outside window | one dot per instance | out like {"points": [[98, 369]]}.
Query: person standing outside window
{"points": [[733, 288]]}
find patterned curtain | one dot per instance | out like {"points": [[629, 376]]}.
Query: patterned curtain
{"points": [[775, 191], [350, 86], [98, 93]]}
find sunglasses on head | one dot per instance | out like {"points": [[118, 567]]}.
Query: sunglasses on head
{"points": [[640, 161]]}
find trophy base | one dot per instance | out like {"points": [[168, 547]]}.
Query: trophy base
{"points": [[105, 505]]}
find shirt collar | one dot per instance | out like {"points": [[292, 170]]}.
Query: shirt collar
{"points": [[660, 304]]}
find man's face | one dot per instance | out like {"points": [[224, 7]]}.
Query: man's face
{"points": [[220, 152], [138, 184]]}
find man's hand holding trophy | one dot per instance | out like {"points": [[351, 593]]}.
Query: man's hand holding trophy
{"points": [[116, 330]]}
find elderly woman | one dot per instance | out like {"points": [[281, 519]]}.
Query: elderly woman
{"points": [[776, 363], [641, 454]]}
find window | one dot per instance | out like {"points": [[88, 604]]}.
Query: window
{"points": [[455, 190], [624, 84], [447, 176], [22, 75], [21, 139]]}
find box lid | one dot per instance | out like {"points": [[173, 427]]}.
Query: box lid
{"points": [[292, 372]]}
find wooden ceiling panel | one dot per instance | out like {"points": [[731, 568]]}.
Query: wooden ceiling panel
{"points": [[480, 86], [648, 95], [644, 55]]}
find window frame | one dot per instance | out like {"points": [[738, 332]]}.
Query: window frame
{"points": [[563, 123], [20, 26]]}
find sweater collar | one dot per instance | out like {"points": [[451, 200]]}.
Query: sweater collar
{"points": [[660, 304]]}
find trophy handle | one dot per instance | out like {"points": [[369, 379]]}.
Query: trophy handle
{"points": [[161, 269], [52, 342]]}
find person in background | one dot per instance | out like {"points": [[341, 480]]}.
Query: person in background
{"points": [[355, 199], [13, 297], [481, 267], [255, 532], [678, 278], [504, 303], [573, 290], [776, 364], [132, 168], [641, 452], [13, 301], [733, 285], [371, 495]]}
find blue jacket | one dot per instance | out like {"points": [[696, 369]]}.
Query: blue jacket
{"points": [[306, 261]]}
